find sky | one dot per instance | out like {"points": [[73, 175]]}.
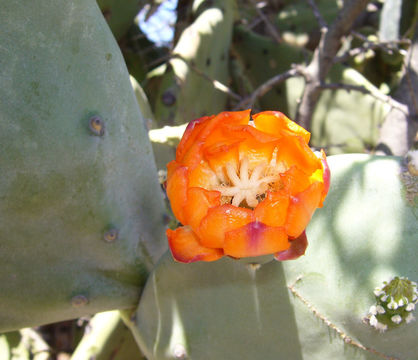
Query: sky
{"points": [[159, 27]]}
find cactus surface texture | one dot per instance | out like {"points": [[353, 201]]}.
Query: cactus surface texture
{"points": [[312, 308], [81, 211]]}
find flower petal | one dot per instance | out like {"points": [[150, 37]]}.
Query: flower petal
{"points": [[190, 152], [193, 130], [199, 201], [219, 221], [326, 176], [202, 176], [255, 239], [185, 247], [294, 181], [239, 142], [302, 207], [273, 122], [177, 189], [272, 211], [257, 147], [297, 248], [293, 150], [220, 155]]}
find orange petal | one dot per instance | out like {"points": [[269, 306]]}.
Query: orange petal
{"points": [[193, 130], [220, 220], [191, 152], [301, 209], [256, 134], [257, 147], [294, 181], [199, 201], [219, 155], [185, 247], [297, 248], [272, 211], [202, 176], [172, 166], [255, 239], [238, 141], [326, 176], [273, 122], [293, 150], [177, 189], [225, 133]]}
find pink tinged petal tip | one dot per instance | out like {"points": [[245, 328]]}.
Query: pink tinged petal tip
{"points": [[297, 248]]}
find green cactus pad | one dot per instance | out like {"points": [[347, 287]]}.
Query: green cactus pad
{"points": [[186, 91], [81, 211], [312, 308]]}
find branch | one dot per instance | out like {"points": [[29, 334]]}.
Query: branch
{"points": [[249, 101], [270, 27], [323, 56], [386, 46], [398, 131], [322, 23], [372, 92]]}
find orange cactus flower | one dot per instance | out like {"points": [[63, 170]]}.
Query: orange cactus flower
{"points": [[244, 187]]}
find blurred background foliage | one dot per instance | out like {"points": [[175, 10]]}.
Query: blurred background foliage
{"points": [[195, 58], [189, 58]]}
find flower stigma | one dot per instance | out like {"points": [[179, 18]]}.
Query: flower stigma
{"points": [[249, 185]]}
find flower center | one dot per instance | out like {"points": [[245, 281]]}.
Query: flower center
{"points": [[248, 185]]}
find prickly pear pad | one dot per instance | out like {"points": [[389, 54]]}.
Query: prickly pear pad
{"points": [[81, 211], [308, 309]]}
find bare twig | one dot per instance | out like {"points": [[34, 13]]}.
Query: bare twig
{"points": [[386, 46], [323, 56], [249, 101], [372, 92], [398, 132], [346, 338], [254, 23], [216, 84], [270, 27], [321, 21], [411, 84]]}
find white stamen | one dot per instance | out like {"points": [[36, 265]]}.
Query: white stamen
{"points": [[410, 307], [373, 310], [380, 309], [409, 318], [397, 319], [243, 171], [393, 305], [384, 298], [247, 185], [232, 174], [238, 197], [378, 292], [257, 172], [373, 321]]}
